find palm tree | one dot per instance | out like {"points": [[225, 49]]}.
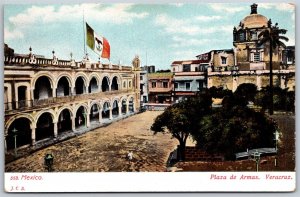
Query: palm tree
{"points": [[273, 36]]}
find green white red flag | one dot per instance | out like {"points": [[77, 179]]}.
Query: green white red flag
{"points": [[98, 44]]}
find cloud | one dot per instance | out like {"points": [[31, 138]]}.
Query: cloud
{"points": [[183, 42], [185, 54], [12, 34], [289, 7], [116, 13], [178, 4], [227, 8], [208, 18], [187, 26]]}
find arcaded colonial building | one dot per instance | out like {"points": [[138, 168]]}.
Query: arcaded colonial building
{"points": [[248, 62], [46, 98]]}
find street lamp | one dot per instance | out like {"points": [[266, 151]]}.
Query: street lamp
{"points": [[276, 134], [49, 161], [257, 158], [15, 137]]}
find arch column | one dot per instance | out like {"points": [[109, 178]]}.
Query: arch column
{"points": [[73, 123], [55, 129], [86, 89], [53, 92], [110, 113], [72, 92], [28, 97], [33, 128], [127, 108], [16, 97], [88, 123], [120, 108], [100, 115]]}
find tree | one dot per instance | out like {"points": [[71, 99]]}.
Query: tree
{"points": [[179, 119], [272, 36], [235, 130]]}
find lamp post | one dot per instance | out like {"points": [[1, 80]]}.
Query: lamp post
{"points": [[257, 158], [49, 161], [15, 138], [276, 134]]}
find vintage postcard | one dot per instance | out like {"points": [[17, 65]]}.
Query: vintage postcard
{"points": [[178, 97]]}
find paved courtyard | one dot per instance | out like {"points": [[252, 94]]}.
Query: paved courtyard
{"points": [[105, 149]]}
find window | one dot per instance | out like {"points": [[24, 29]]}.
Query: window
{"points": [[129, 85], [242, 36], [256, 57], [124, 84], [176, 85], [141, 78], [196, 69], [253, 35], [223, 60], [186, 67], [165, 84], [153, 84], [187, 86]]}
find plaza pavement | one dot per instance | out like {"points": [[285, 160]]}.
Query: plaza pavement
{"points": [[105, 149]]}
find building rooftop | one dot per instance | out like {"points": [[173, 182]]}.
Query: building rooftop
{"points": [[160, 75]]}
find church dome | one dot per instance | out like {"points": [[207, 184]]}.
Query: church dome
{"points": [[254, 20]]}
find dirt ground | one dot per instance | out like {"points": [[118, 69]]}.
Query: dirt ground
{"points": [[105, 149]]}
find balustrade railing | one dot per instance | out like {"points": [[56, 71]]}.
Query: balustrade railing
{"points": [[38, 103]]}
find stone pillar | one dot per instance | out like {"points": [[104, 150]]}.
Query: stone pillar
{"points": [[28, 97], [16, 96], [110, 113], [33, 135], [55, 129], [53, 92], [100, 115], [127, 108], [73, 123], [88, 122], [120, 109], [258, 82]]}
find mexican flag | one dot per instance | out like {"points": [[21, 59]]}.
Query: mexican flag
{"points": [[97, 43]]}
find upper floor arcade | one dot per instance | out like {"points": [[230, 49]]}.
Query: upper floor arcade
{"points": [[33, 82]]}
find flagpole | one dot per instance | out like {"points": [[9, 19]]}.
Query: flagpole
{"points": [[83, 25]]}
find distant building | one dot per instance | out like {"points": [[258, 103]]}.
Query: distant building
{"points": [[189, 77], [160, 87], [249, 63]]}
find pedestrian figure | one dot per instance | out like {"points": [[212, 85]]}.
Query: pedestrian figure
{"points": [[130, 155]]}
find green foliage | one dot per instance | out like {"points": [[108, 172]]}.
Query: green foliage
{"points": [[228, 132], [282, 99], [179, 119], [219, 92]]}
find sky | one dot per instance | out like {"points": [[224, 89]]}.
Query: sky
{"points": [[158, 33]]}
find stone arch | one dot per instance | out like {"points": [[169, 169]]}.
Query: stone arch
{"points": [[94, 83], [131, 103], [64, 119], [115, 82], [115, 106], [80, 83], [105, 83], [50, 111], [18, 133], [61, 89], [41, 90], [106, 105], [40, 74], [81, 112], [124, 104], [45, 124], [12, 118], [95, 110]]}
